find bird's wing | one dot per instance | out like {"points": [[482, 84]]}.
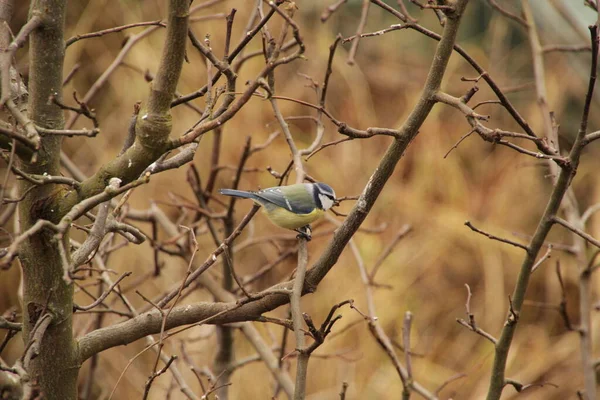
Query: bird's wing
{"points": [[300, 203]]}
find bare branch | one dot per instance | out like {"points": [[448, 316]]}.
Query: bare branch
{"points": [[402, 232], [246, 39], [327, 12], [576, 231], [492, 237], [24, 121], [302, 365], [567, 48], [13, 326], [155, 375], [7, 55], [103, 32], [508, 14], [519, 387], [406, 342], [542, 259], [343, 391], [359, 30], [104, 295], [463, 137], [471, 320], [561, 185], [380, 335], [449, 381], [392, 28]]}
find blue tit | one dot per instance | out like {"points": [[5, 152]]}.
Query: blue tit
{"points": [[291, 207]]}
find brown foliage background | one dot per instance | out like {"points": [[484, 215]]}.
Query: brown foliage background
{"points": [[497, 189]]}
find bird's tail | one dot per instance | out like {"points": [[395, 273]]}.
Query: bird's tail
{"points": [[237, 193]]}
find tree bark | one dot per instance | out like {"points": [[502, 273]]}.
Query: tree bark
{"points": [[56, 368]]}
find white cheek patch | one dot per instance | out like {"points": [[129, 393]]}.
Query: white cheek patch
{"points": [[325, 201]]}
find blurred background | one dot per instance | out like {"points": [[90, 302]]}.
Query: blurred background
{"points": [[498, 190]]}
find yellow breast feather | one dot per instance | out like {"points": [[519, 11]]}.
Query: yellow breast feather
{"points": [[286, 219]]}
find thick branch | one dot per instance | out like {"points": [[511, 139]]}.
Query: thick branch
{"points": [[154, 120], [167, 76]]}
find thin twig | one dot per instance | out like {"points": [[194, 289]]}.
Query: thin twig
{"points": [[359, 30], [542, 259], [103, 32], [402, 232], [406, 341], [471, 324], [576, 231], [493, 237]]}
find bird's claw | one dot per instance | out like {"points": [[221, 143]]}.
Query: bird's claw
{"points": [[304, 233]]}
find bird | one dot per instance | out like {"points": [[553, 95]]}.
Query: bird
{"points": [[292, 207]]}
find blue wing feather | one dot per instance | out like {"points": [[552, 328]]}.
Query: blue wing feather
{"points": [[238, 193], [292, 198]]}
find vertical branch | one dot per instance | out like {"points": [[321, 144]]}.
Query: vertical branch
{"points": [[272, 54], [406, 342], [298, 167], [323, 95], [498, 381], [539, 74], [272, 363], [89, 379], [8, 52], [6, 13], [405, 373], [154, 121], [569, 202], [225, 339], [225, 355], [164, 84], [585, 271], [359, 31], [297, 319], [102, 79]]}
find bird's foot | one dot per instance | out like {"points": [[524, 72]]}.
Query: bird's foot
{"points": [[304, 233]]}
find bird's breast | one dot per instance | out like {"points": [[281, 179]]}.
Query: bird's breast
{"points": [[287, 219]]}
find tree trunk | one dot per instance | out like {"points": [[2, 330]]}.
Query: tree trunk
{"points": [[55, 369]]}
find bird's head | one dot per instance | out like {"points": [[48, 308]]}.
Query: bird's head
{"points": [[324, 195]]}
